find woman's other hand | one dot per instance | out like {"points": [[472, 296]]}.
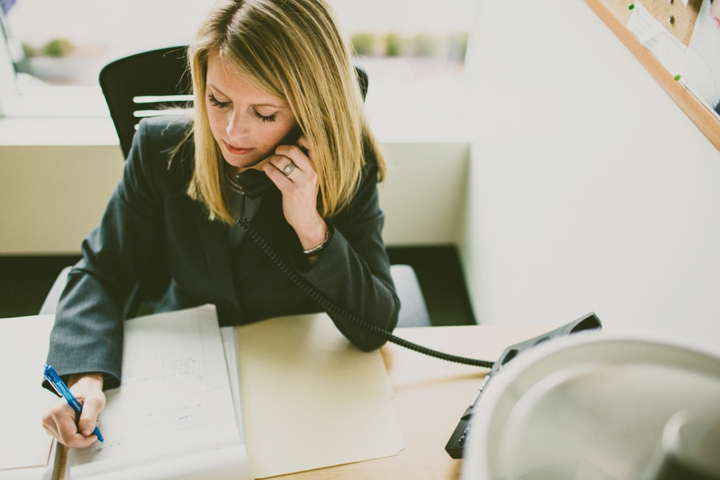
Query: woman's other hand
{"points": [[299, 190], [60, 420]]}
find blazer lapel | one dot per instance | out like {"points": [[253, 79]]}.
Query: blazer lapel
{"points": [[217, 252], [270, 222]]}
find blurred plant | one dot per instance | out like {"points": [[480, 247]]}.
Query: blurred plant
{"points": [[393, 45], [457, 46], [363, 43], [58, 47], [425, 45], [30, 51]]}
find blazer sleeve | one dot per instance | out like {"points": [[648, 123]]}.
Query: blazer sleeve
{"points": [[354, 270], [88, 332]]}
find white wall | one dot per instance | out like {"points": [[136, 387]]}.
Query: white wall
{"points": [[589, 189]]}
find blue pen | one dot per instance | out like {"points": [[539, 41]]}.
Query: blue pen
{"points": [[64, 392]]}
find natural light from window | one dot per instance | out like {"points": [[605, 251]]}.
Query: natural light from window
{"points": [[411, 49]]}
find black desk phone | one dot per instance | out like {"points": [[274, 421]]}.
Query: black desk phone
{"points": [[456, 443]]}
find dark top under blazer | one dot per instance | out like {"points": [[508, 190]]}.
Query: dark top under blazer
{"points": [[151, 225]]}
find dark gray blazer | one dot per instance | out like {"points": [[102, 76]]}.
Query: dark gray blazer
{"points": [[153, 233]]}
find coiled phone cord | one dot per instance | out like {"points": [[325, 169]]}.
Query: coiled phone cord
{"points": [[331, 307]]}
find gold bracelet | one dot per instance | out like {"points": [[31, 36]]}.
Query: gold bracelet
{"points": [[311, 252]]}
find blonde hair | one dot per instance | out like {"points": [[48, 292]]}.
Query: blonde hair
{"points": [[291, 49]]}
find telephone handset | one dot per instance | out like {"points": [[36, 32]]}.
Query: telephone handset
{"points": [[254, 182]]}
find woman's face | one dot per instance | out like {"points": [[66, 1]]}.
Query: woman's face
{"points": [[247, 122]]}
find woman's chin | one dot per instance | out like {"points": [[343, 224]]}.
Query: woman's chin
{"points": [[238, 165]]}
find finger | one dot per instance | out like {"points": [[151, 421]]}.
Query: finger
{"points": [[283, 165], [88, 418], [61, 414], [49, 425], [281, 161], [294, 153], [303, 142], [66, 431], [75, 440], [277, 177]]}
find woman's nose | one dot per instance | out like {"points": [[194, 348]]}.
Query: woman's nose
{"points": [[235, 127]]}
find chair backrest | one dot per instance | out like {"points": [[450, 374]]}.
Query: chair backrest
{"points": [[154, 83]]}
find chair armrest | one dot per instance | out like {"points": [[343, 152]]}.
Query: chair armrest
{"points": [[413, 311]]}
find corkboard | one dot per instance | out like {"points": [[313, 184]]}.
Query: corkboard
{"points": [[615, 14], [683, 17]]}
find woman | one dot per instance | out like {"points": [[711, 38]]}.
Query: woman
{"points": [[274, 91]]}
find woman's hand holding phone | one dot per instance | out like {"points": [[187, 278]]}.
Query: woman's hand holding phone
{"points": [[299, 191]]}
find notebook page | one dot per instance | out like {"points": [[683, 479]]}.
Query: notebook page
{"points": [[23, 349], [174, 399], [229, 463]]}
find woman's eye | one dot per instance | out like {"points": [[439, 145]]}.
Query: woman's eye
{"points": [[216, 103], [264, 118]]}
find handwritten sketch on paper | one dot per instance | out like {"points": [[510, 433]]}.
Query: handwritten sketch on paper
{"points": [[174, 400]]}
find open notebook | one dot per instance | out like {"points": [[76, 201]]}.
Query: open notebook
{"points": [[309, 400], [173, 414]]}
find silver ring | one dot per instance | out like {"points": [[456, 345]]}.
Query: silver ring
{"points": [[289, 168]]}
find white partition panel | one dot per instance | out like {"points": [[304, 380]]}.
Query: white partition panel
{"points": [[52, 196], [424, 196]]}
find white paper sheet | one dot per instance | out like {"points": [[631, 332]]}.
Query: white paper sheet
{"points": [[310, 399], [23, 442], [702, 68], [654, 36], [174, 402]]}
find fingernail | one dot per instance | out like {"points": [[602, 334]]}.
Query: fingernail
{"points": [[86, 433]]}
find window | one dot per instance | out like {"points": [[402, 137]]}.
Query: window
{"points": [[413, 50], [57, 47]]}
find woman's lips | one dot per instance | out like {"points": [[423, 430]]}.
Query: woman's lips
{"points": [[236, 150]]}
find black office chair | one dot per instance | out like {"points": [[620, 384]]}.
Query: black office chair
{"points": [[158, 83]]}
